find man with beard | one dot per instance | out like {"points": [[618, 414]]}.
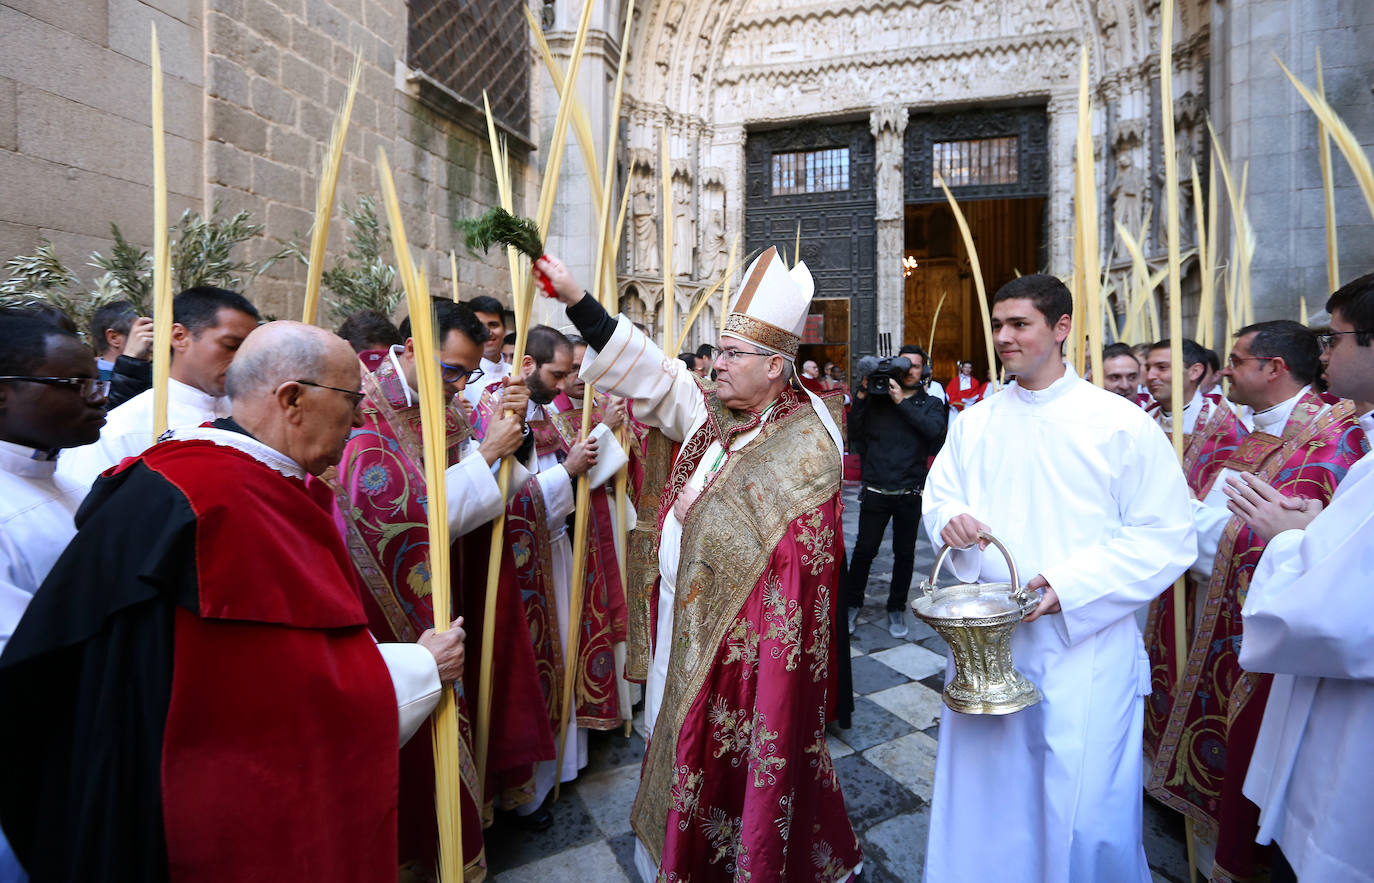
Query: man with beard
{"points": [[1302, 442], [1307, 619], [895, 432], [1085, 492], [742, 676], [200, 696]]}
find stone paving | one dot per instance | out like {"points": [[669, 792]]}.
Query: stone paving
{"points": [[886, 764]]}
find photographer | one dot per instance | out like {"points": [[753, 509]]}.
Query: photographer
{"points": [[895, 426]]}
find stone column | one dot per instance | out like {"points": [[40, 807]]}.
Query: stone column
{"points": [[1063, 123], [727, 154], [888, 124]]}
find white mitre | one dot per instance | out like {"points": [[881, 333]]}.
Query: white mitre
{"points": [[770, 312], [772, 305]]}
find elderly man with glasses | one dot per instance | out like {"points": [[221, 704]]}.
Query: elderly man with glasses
{"points": [[1299, 443], [193, 690], [743, 669]]}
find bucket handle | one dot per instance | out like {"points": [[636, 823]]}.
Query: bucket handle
{"points": [[1018, 593]]}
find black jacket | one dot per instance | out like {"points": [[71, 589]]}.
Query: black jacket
{"points": [[130, 377], [894, 441]]}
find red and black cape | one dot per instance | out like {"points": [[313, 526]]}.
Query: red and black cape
{"points": [[193, 693]]}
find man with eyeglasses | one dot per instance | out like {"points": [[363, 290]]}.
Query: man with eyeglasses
{"points": [[381, 489], [1301, 442], [193, 691], [742, 675], [208, 327], [50, 400], [1307, 617]]}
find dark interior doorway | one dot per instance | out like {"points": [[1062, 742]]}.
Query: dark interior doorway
{"points": [[1007, 234]]}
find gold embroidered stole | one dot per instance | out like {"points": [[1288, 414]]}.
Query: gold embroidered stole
{"points": [[789, 469]]}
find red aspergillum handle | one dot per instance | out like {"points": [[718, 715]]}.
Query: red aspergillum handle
{"points": [[546, 283]]}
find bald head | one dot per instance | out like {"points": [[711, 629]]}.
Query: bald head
{"points": [[293, 387], [282, 351]]}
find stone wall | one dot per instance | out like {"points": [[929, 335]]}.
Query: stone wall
{"points": [[1261, 119], [253, 87]]}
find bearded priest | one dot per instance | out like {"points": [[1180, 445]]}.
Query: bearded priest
{"points": [[743, 676], [1086, 493]]}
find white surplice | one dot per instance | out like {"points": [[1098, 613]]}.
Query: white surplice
{"points": [[36, 523], [492, 372], [1309, 618], [1082, 488], [128, 429], [557, 489], [37, 509]]}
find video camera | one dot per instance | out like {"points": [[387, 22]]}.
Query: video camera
{"points": [[883, 372]]}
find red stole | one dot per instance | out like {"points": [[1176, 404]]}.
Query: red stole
{"points": [[279, 758], [1216, 435], [959, 399], [1210, 734], [603, 618]]}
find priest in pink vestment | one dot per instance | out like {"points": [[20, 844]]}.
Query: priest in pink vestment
{"points": [[742, 673]]}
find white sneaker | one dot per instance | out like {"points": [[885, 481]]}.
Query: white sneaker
{"points": [[896, 624], [853, 619]]}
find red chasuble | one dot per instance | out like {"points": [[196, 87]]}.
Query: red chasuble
{"points": [[959, 399], [603, 617], [1206, 746], [380, 486], [738, 781], [279, 759], [1216, 435]]}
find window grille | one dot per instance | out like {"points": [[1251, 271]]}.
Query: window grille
{"points": [[811, 171], [469, 46], [978, 162]]}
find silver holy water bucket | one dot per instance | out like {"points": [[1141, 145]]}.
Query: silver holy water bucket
{"points": [[976, 621]]}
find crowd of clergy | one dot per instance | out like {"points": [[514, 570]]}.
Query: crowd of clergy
{"points": [[218, 653]]}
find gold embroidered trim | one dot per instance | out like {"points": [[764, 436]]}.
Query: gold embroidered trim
{"points": [[762, 333], [736, 524]]}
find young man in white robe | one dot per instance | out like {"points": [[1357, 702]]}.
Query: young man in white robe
{"points": [[1086, 493], [493, 364], [1307, 618], [208, 327]]}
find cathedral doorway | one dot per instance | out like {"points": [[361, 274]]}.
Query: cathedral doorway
{"points": [[813, 184], [996, 163]]}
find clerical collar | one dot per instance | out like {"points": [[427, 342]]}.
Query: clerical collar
{"points": [[195, 396], [26, 461], [1190, 412], [1051, 392], [1273, 420], [227, 433]]}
